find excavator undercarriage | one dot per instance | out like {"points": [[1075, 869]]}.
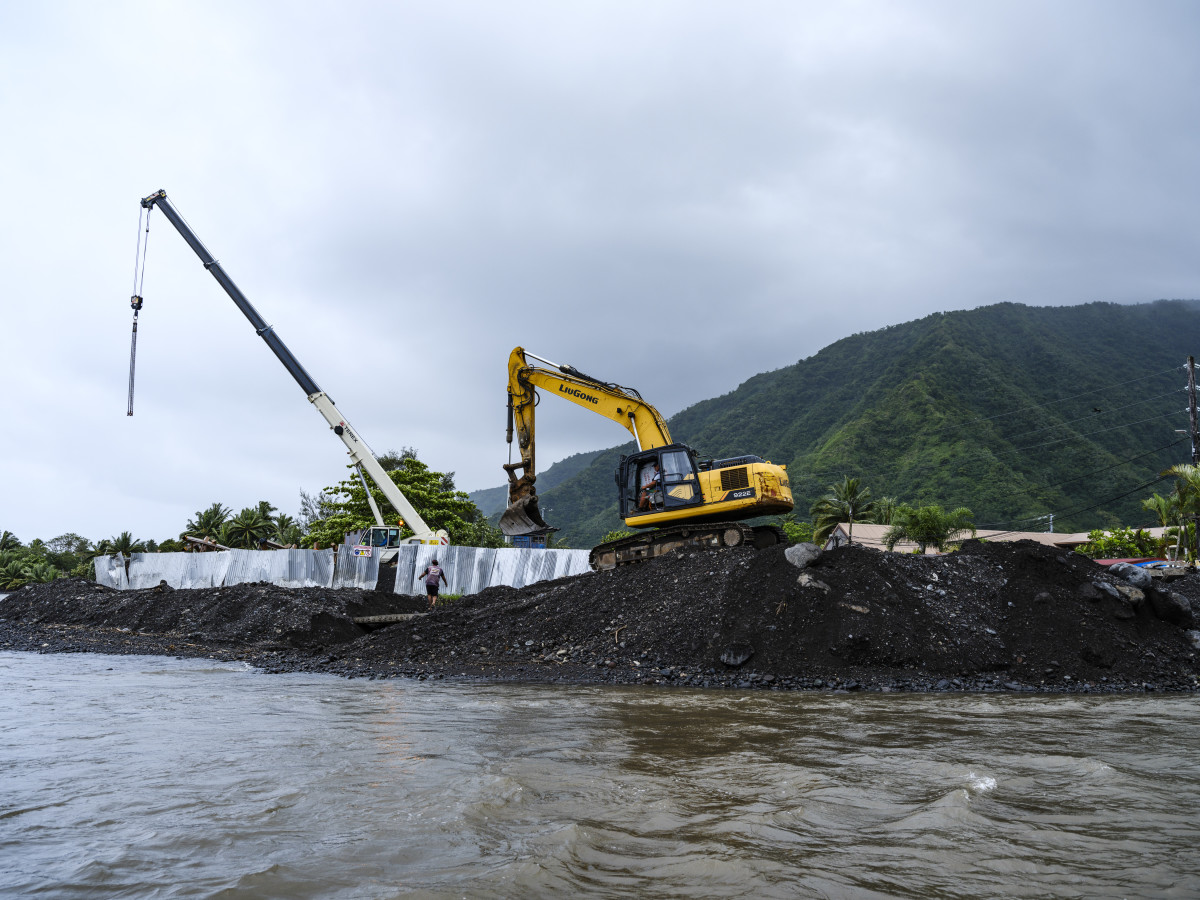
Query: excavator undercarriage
{"points": [[640, 547]]}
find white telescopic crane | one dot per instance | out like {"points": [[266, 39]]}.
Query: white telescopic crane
{"points": [[360, 455]]}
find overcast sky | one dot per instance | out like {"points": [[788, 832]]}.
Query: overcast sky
{"points": [[673, 196]]}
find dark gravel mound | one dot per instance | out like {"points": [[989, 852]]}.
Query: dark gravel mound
{"points": [[245, 615], [1004, 616], [990, 617]]}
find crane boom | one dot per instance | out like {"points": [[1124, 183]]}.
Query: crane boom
{"points": [[360, 454], [261, 328]]}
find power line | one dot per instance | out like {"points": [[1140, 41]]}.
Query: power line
{"points": [[1075, 512], [1082, 418], [1073, 396], [1050, 487], [1089, 433]]}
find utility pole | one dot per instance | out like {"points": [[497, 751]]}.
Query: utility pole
{"points": [[1191, 367]]}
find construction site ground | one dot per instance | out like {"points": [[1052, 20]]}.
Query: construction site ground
{"points": [[991, 617]]}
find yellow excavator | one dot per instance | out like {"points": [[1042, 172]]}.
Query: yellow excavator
{"points": [[687, 500]]}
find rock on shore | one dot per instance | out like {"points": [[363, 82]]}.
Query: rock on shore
{"points": [[993, 616]]}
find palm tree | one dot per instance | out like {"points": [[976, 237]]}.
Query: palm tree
{"points": [[1166, 510], [287, 530], [8, 541], [247, 528], [124, 544], [12, 574], [885, 510], [40, 573], [1187, 495], [929, 525], [207, 523], [845, 502]]}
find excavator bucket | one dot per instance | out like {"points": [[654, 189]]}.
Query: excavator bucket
{"points": [[522, 517]]}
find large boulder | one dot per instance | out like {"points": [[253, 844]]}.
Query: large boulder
{"points": [[802, 555], [1171, 607], [1131, 595], [1135, 575], [736, 654]]}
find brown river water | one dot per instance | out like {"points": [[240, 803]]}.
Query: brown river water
{"points": [[153, 777]]}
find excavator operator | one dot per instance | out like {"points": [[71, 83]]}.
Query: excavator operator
{"points": [[651, 481]]}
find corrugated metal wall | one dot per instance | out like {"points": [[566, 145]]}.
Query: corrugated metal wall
{"points": [[468, 569]]}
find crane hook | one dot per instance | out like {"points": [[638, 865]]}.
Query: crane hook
{"points": [[136, 302], [139, 262]]}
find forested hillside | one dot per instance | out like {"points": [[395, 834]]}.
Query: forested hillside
{"points": [[1013, 411], [491, 501]]}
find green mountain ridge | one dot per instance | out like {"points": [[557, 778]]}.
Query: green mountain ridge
{"points": [[1016, 412]]}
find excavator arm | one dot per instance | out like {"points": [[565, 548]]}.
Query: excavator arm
{"points": [[623, 405]]}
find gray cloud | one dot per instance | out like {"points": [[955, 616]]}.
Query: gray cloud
{"points": [[673, 196]]}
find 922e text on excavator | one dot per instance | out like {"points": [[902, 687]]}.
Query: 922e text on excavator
{"points": [[679, 498]]}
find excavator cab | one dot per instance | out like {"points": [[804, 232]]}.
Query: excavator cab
{"points": [[652, 481]]}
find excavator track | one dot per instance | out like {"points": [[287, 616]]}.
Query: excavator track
{"points": [[711, 536], [768, 536]]}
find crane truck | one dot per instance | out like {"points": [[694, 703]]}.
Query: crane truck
{"points": [[383, 539], [679, 498]]}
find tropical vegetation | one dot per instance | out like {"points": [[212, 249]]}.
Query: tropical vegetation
{"points": [[929, 526], [797, 532], [344, 507], [1122, 543], [846, 502], [616, 534], [325, 518]]}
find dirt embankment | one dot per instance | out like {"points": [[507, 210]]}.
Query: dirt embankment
{"points": [[78, 615], [991, 617]]}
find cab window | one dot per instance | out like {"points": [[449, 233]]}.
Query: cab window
{"points": [[679, 478]]}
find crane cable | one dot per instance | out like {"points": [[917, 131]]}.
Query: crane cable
{"points": [[1072, 397], [139, 279]]}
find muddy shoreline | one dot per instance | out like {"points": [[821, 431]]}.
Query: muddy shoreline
{"points": [[991, 618]]}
